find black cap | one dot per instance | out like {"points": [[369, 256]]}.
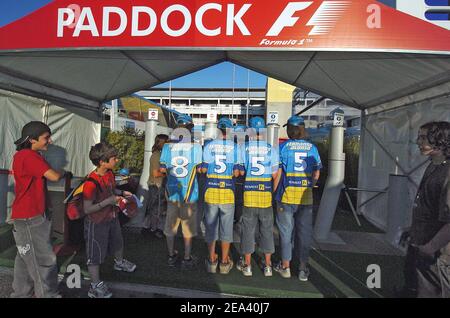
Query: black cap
{"points": [[32, 130]]}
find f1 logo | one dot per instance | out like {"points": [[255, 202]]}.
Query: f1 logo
{"points": [[322, 21]]}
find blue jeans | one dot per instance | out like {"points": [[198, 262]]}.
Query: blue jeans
{"points": [[298, 217], [35, 270], [219, 222]]}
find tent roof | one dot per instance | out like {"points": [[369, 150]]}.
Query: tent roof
{"points": [[356, 52], [88, 78]]}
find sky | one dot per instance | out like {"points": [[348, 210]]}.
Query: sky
{"points": [[220, 76], [11, 10], [217, 76]]}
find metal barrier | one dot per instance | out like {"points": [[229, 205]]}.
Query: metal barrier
{"points": [[4, 174]]}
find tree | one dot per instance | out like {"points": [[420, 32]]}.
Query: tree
{"points": [[130, 147]]}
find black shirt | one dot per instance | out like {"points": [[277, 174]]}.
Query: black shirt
{"points": [[431, 206]]}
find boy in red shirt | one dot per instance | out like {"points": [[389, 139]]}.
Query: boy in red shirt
{"points": [[35, 270], [101, 225]]}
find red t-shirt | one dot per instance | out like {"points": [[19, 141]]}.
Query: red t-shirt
{"points": [[90, 192], [30, 185]]}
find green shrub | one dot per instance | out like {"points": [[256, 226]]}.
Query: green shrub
{"points": [[130, 147]]}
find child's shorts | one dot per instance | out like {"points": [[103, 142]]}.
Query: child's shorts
{"points": [[184, 213], [102, 239]]}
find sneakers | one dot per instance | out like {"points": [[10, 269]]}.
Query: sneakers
{"points": [[188, 263], [172, 260], [124, 266], [99, 291], [284, 272], [225, 268], [244, 268], [240, 264], [303, 275], [211, 267], [267, 271]]}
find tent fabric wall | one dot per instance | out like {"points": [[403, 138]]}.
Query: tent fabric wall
{"points": [[72, 133], [388, 146]]}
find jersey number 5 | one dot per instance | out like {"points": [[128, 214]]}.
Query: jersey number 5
{"points": [[256, 163], [300, 164], [220, 164]]}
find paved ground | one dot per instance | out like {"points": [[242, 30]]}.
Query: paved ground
{"points": [[5, 282], [120, 290], [6, 278]]}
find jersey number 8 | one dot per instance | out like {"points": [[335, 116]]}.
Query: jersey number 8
{"points": [[179, 169]]}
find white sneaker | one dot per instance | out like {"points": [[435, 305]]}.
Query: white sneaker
{"points": [[268, 271], [99, 291], [124, 265], [303, 275], [284, 272], [211, 267], [244, 268], [225, 268]]}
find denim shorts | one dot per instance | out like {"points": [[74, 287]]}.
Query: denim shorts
{"points": [[219, 222], [261, 219]]}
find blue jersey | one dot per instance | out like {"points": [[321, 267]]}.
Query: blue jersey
{"points": [[260, 161], [181, 161], [298, 159], [221, 158]]}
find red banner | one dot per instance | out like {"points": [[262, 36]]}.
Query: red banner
{"points": [[253, 24]]}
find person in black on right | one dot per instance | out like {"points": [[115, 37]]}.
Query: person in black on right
{"points": [[430, 228]]}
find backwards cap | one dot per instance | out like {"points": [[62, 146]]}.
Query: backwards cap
{"points": [[32, 130]]}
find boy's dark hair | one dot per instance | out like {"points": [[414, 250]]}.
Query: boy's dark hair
{"points": [[160, 140], [297, 132], [438, 136], [101, 152], [32, 130]]}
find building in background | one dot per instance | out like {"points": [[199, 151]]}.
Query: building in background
{"points": [[286, 100], [278, 99], [238, 104]]}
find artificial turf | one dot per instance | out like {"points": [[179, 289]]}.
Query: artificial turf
{"points": [[333, 274]]}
